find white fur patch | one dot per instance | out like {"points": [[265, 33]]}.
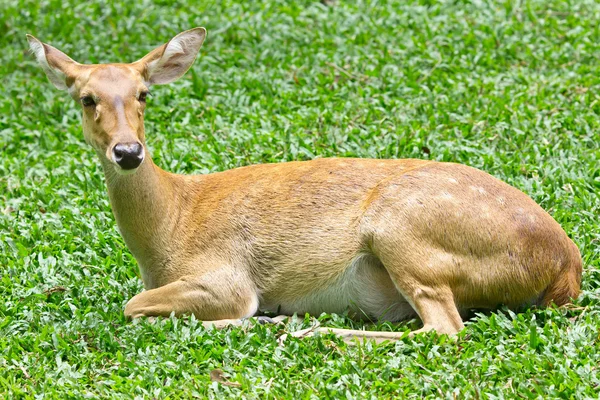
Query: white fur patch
{"points": [[177, 58], [176, 46], [446, 196], [38, 50], [125, 172], [357, 289], [56, 76], [253, 308], [478, 189]]}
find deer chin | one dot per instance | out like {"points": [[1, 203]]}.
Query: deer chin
{"points": [[126, 172]]}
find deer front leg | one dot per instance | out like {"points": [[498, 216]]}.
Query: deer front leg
{"points": [[222, 296]]}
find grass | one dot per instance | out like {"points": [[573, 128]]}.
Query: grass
{"points": [[508, 87]]}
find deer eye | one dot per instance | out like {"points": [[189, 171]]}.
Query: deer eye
{"points": [[88, 101], [142, 97]]}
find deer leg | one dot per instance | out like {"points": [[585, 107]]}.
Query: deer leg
{"points": [[220, 297], [437, 310], [435, 307], [348, 335]]}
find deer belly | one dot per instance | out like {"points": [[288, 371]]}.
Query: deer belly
{"points": [[364, 290]]}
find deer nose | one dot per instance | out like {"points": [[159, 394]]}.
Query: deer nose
{"points": [[128, 155]]}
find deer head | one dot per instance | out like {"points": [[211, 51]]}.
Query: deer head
{"points": [[113, 96]]}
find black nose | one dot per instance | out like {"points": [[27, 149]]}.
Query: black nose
{"points": [[128, 155]]}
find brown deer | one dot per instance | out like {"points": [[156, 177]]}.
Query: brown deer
{"points": [[380, 239]]}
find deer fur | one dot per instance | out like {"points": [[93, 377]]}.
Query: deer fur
{"points": [[380, 239]]}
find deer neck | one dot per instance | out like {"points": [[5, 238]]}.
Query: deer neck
{"points": [[143, 204]]}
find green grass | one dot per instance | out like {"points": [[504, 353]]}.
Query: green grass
{"points": [[508, 87]]}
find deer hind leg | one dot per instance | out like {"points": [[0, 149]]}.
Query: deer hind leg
{"points": [[347, 335], [435, 307], [221, 297], [433, 301], [423, 277], [437, 310]]}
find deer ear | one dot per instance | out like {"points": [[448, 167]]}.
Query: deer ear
{"points": [[170, 61], [59, 68]]}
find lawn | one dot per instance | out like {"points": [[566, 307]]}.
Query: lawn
{"points": [[508, 87]]}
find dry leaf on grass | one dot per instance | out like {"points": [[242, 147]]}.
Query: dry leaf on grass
{"points": [[216, 375]]}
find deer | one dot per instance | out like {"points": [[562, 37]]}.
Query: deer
{"points": [[377, 239]]}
